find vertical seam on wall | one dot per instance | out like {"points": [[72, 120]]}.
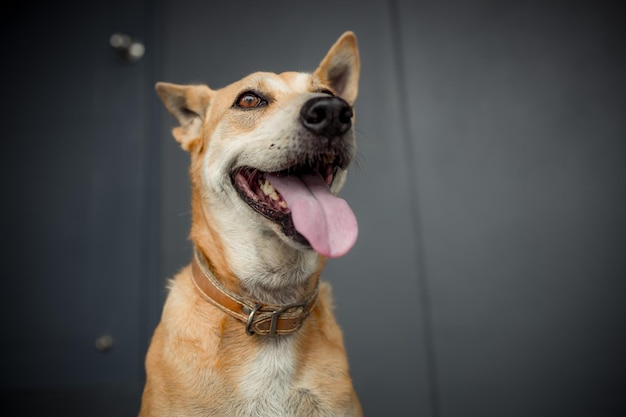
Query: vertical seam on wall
{"points": [[415, 213], [151, 280]]}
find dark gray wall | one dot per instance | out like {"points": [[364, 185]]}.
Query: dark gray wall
{"points": [[74, 245], [490, 186], [516, 114]]}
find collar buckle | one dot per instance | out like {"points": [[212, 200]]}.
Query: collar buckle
{"points": [[274, 316], [256, 308]]}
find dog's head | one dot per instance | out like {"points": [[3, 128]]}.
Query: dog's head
{"points": [[270, 152]]}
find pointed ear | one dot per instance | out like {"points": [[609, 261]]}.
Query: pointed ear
{"points": [[340, 67], [188, 104]]}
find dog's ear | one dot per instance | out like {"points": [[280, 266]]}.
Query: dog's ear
{"points": [[188, 104], [340, 67]]}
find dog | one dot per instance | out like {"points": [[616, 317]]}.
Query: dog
{"points": [[248, 328]]}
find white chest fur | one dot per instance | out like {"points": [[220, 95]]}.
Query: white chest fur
{"points": [[269, 380]]}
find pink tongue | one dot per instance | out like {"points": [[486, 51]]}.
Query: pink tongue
{"points": [[325, 220]]}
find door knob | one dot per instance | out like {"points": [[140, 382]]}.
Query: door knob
{"points": [[129, 49], [104, 343]]}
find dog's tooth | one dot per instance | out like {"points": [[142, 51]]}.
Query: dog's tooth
{"points": [[274, 196], [282, 204], [267, 188]]}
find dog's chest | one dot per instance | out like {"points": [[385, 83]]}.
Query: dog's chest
{"points": [[270, 387], [270, 376]]}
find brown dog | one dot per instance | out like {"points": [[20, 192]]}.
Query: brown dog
{"points": [[248, 329]]}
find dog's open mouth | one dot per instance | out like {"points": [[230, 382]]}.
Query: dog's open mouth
{"points": [[255, 188], [300, 201]]}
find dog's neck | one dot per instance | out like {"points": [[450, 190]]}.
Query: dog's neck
{"points": [[262, 266], [259, 317]]}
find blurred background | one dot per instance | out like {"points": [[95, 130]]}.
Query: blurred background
{"points": [[490, 273]]}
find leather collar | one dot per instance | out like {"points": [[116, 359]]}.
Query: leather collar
{"points": [[260, 318]]}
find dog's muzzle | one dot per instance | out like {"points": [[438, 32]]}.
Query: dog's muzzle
{"points": [[326, 116], [298, 196]]}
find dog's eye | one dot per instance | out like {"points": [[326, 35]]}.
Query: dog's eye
{"points": [[326, 91], [249, 100]]}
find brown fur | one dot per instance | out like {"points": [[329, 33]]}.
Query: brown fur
{"points": [[201, 362]]}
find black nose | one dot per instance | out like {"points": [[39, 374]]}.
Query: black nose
{"points": [[326, 116]]}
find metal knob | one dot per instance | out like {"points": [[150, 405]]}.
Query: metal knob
{"points": [[129, 49], [104, 343]]}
